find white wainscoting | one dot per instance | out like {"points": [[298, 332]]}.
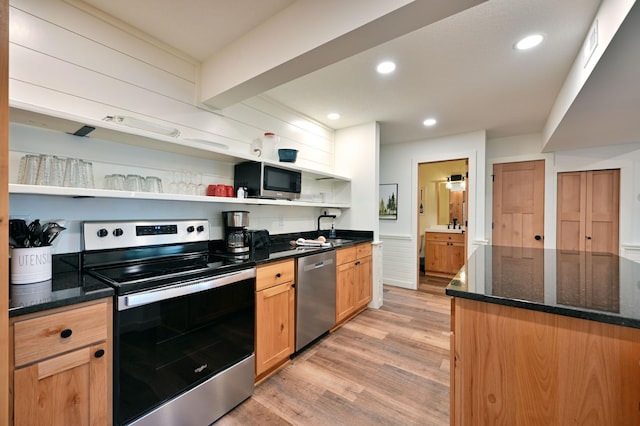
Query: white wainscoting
{"points": [[400, 261], [631, 251]]}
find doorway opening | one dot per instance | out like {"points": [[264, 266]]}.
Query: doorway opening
{"points": [[442, 213]]}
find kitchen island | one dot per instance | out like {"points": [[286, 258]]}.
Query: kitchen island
{"points": [[545, 337]]}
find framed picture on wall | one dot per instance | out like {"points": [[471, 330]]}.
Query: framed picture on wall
{"points": [[388, 204]]}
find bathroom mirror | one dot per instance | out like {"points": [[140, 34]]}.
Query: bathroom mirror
{"points": [[450, 205]]}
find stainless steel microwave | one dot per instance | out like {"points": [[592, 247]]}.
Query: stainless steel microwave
{"points": [[266, 181]]}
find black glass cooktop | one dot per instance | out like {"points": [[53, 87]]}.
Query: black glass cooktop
{"points": [[127, 278]]}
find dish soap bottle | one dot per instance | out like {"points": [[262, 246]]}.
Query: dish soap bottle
{"points": [[332, 232]]}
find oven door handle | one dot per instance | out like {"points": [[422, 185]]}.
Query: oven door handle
{"points": [[183, 289]]}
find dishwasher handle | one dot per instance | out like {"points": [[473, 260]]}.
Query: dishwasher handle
{"points": [[317, 265]]}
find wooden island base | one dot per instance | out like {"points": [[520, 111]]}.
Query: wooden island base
{"points": [[514, 366]]}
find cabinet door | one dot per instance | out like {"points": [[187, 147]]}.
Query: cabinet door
{"points": [[275, 326], [70, 389], [345, 290], [456, 257], [363, 288], [436, 255]]}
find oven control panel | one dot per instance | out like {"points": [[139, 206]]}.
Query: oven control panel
{"points": [[123, 234]]}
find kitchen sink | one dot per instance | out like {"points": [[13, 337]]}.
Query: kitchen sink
{"points": [[338, 241]]}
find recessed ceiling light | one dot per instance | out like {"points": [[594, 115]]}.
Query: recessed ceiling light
{"points": [[386, 67], [333, 116], [430, 122], [529, 42]]}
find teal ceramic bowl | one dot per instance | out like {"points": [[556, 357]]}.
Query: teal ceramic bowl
{"points": [[288, 155]]}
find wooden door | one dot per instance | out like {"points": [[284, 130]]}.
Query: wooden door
{"points": [[571, 206], [603, 204], [588, 211], [518, 204]]}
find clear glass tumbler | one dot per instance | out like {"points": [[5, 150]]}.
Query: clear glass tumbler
{"points": [[30, 172], [153, 184], [72, 173]]}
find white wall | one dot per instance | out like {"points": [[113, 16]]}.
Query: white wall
{"points": [[399, 164], [358, 157]]}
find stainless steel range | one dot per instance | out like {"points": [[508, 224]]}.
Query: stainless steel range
{"points": [[183, 322]]}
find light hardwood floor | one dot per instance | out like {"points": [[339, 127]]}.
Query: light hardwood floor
{"points": [[388, 366]]}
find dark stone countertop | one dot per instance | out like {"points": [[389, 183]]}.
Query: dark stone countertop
{"points": [[68, 286], [281, 247], [600, 287]]}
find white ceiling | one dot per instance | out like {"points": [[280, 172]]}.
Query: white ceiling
{"points": [[462, 70]]}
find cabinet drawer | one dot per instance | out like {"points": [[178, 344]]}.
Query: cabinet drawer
{"points": [[444, 236], [274, 274], [42, 337], [363, 250], [345, 255]]}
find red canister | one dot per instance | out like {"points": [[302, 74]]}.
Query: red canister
{"points": [[229, 191], [220, 191], [211, 190]]}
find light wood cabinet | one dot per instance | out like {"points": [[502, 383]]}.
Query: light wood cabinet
{"points": [[353, 281], [62, 366], [275, 316], [444, 253], [519, 366]]}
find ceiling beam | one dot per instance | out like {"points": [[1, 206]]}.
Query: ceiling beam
{"points": [[310, 35]]}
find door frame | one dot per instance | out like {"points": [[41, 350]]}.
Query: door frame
{"points": [[473, 207], [420, 232]]}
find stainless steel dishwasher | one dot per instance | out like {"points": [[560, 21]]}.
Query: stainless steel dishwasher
{"points": [[315, 297]]}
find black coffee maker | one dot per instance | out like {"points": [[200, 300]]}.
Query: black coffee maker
{"points": [[236, 236]]}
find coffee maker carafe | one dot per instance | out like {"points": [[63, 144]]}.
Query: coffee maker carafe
{"points": [[236, 237]]}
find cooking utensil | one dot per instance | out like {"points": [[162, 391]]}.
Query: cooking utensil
{"points": [[50, 232], [35, 233], [19, 230]]}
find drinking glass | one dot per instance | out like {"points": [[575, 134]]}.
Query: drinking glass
{"points": [[201, 189], [86, 174], [30, 172], [135, 183], [71, 173], [115, 182], [45, 169], [153, 184], [57, 178]]}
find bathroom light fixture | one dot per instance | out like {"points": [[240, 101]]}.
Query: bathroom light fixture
{"points": [[386, 67], [429, 122], [456, 183], [529, 42], [137, 123], [333, 116]]}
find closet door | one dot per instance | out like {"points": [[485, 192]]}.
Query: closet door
{"points": [[588, 211], [602, 216]]}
